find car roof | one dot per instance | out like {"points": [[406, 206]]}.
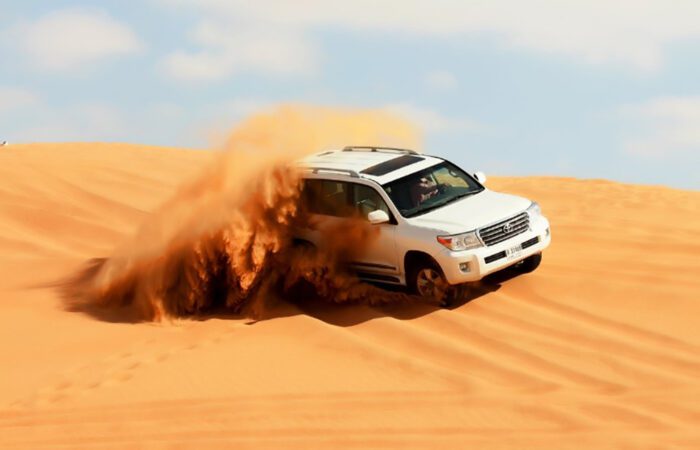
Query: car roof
{"points": [[380, 164]]}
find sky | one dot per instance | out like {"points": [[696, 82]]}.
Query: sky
{"points": [[588, 89]]}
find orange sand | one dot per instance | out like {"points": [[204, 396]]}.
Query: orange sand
{"points": [[599, 348]]}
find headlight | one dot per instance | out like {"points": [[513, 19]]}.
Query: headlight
{"points": [[459, 242], [534, 209]]}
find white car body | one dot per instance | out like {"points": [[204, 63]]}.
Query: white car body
{"points": [[485, 212]]}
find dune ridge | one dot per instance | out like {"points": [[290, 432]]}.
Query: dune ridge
{"points": [[599, 348]]}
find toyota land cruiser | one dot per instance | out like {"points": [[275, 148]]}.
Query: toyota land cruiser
{"points": [[439, 226]]}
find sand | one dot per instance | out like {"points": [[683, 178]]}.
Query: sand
{"points": [[599, 348]]}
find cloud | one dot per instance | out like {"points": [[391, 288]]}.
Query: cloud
{"points": [[663, 127], [631, 33], [14, 98], [432, 121], [68, 40], [441, 80], [226, 50]]}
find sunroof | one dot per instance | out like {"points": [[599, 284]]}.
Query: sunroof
{"points": [[391, 165]]}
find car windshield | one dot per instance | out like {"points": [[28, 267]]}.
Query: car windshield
{"points": [[430, 189]]}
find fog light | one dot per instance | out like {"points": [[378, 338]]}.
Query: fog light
{"points": [[464, 267]]}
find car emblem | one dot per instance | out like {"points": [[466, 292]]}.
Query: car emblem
{"points": [[507, 227]]}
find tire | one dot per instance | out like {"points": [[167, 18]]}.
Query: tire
{"points": [[427, 280], [530, 263]]}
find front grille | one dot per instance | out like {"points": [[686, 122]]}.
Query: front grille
{"points": [[505, 229]]}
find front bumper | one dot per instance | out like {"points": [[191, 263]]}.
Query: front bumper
{"points": [[475, 264]]}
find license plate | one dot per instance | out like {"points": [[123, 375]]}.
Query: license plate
{"points": [[514, 252]]}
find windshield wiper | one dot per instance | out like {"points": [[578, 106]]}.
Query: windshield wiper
{"points": [[465, 194]]}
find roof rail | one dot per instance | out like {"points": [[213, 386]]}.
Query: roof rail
{"points": [[349, 172], [361, 148]]}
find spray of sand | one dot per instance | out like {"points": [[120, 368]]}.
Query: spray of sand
{"points": [[226, 238]]}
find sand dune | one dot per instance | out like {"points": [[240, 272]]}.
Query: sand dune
{"points": [[599, 348]]}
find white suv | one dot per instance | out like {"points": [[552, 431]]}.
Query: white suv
{"points": [[439, 226]]}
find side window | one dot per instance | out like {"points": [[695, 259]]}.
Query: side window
{"points": [[327, 197], [366, 199]]}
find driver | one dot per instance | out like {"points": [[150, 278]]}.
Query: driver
{"points": [[423, 190]]}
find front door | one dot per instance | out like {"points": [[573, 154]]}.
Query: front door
{"points": [[379, 260]]}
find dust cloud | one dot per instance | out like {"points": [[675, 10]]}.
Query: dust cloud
{"points": [[226, 238]]}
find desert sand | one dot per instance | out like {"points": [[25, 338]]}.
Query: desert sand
{"points": [[599, 348]]}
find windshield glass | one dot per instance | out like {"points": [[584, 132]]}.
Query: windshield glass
{"points": [[431, 188]]}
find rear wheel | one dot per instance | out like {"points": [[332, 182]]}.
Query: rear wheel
{"points": [[428, 281], [530, 263]]}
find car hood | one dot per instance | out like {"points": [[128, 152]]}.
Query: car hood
{"points": [[471, 212]]}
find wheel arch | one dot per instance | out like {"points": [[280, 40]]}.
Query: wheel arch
{"points": [[413, 258]]}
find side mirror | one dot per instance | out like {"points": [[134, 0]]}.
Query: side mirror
{"points": [[378, 216], [480, 177]]}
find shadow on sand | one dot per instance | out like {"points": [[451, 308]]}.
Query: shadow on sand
{"points": [[352, 314]]}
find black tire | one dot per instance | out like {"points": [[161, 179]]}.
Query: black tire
{"points": [[530, 263], [427, 280]]}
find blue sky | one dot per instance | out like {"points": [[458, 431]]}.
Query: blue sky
{"points": [[542, 87]]}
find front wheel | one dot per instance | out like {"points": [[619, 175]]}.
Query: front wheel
{"points": [[530, 263], [428, 281]]}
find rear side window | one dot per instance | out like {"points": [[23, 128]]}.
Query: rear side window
{"points": [[327, 197]]}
